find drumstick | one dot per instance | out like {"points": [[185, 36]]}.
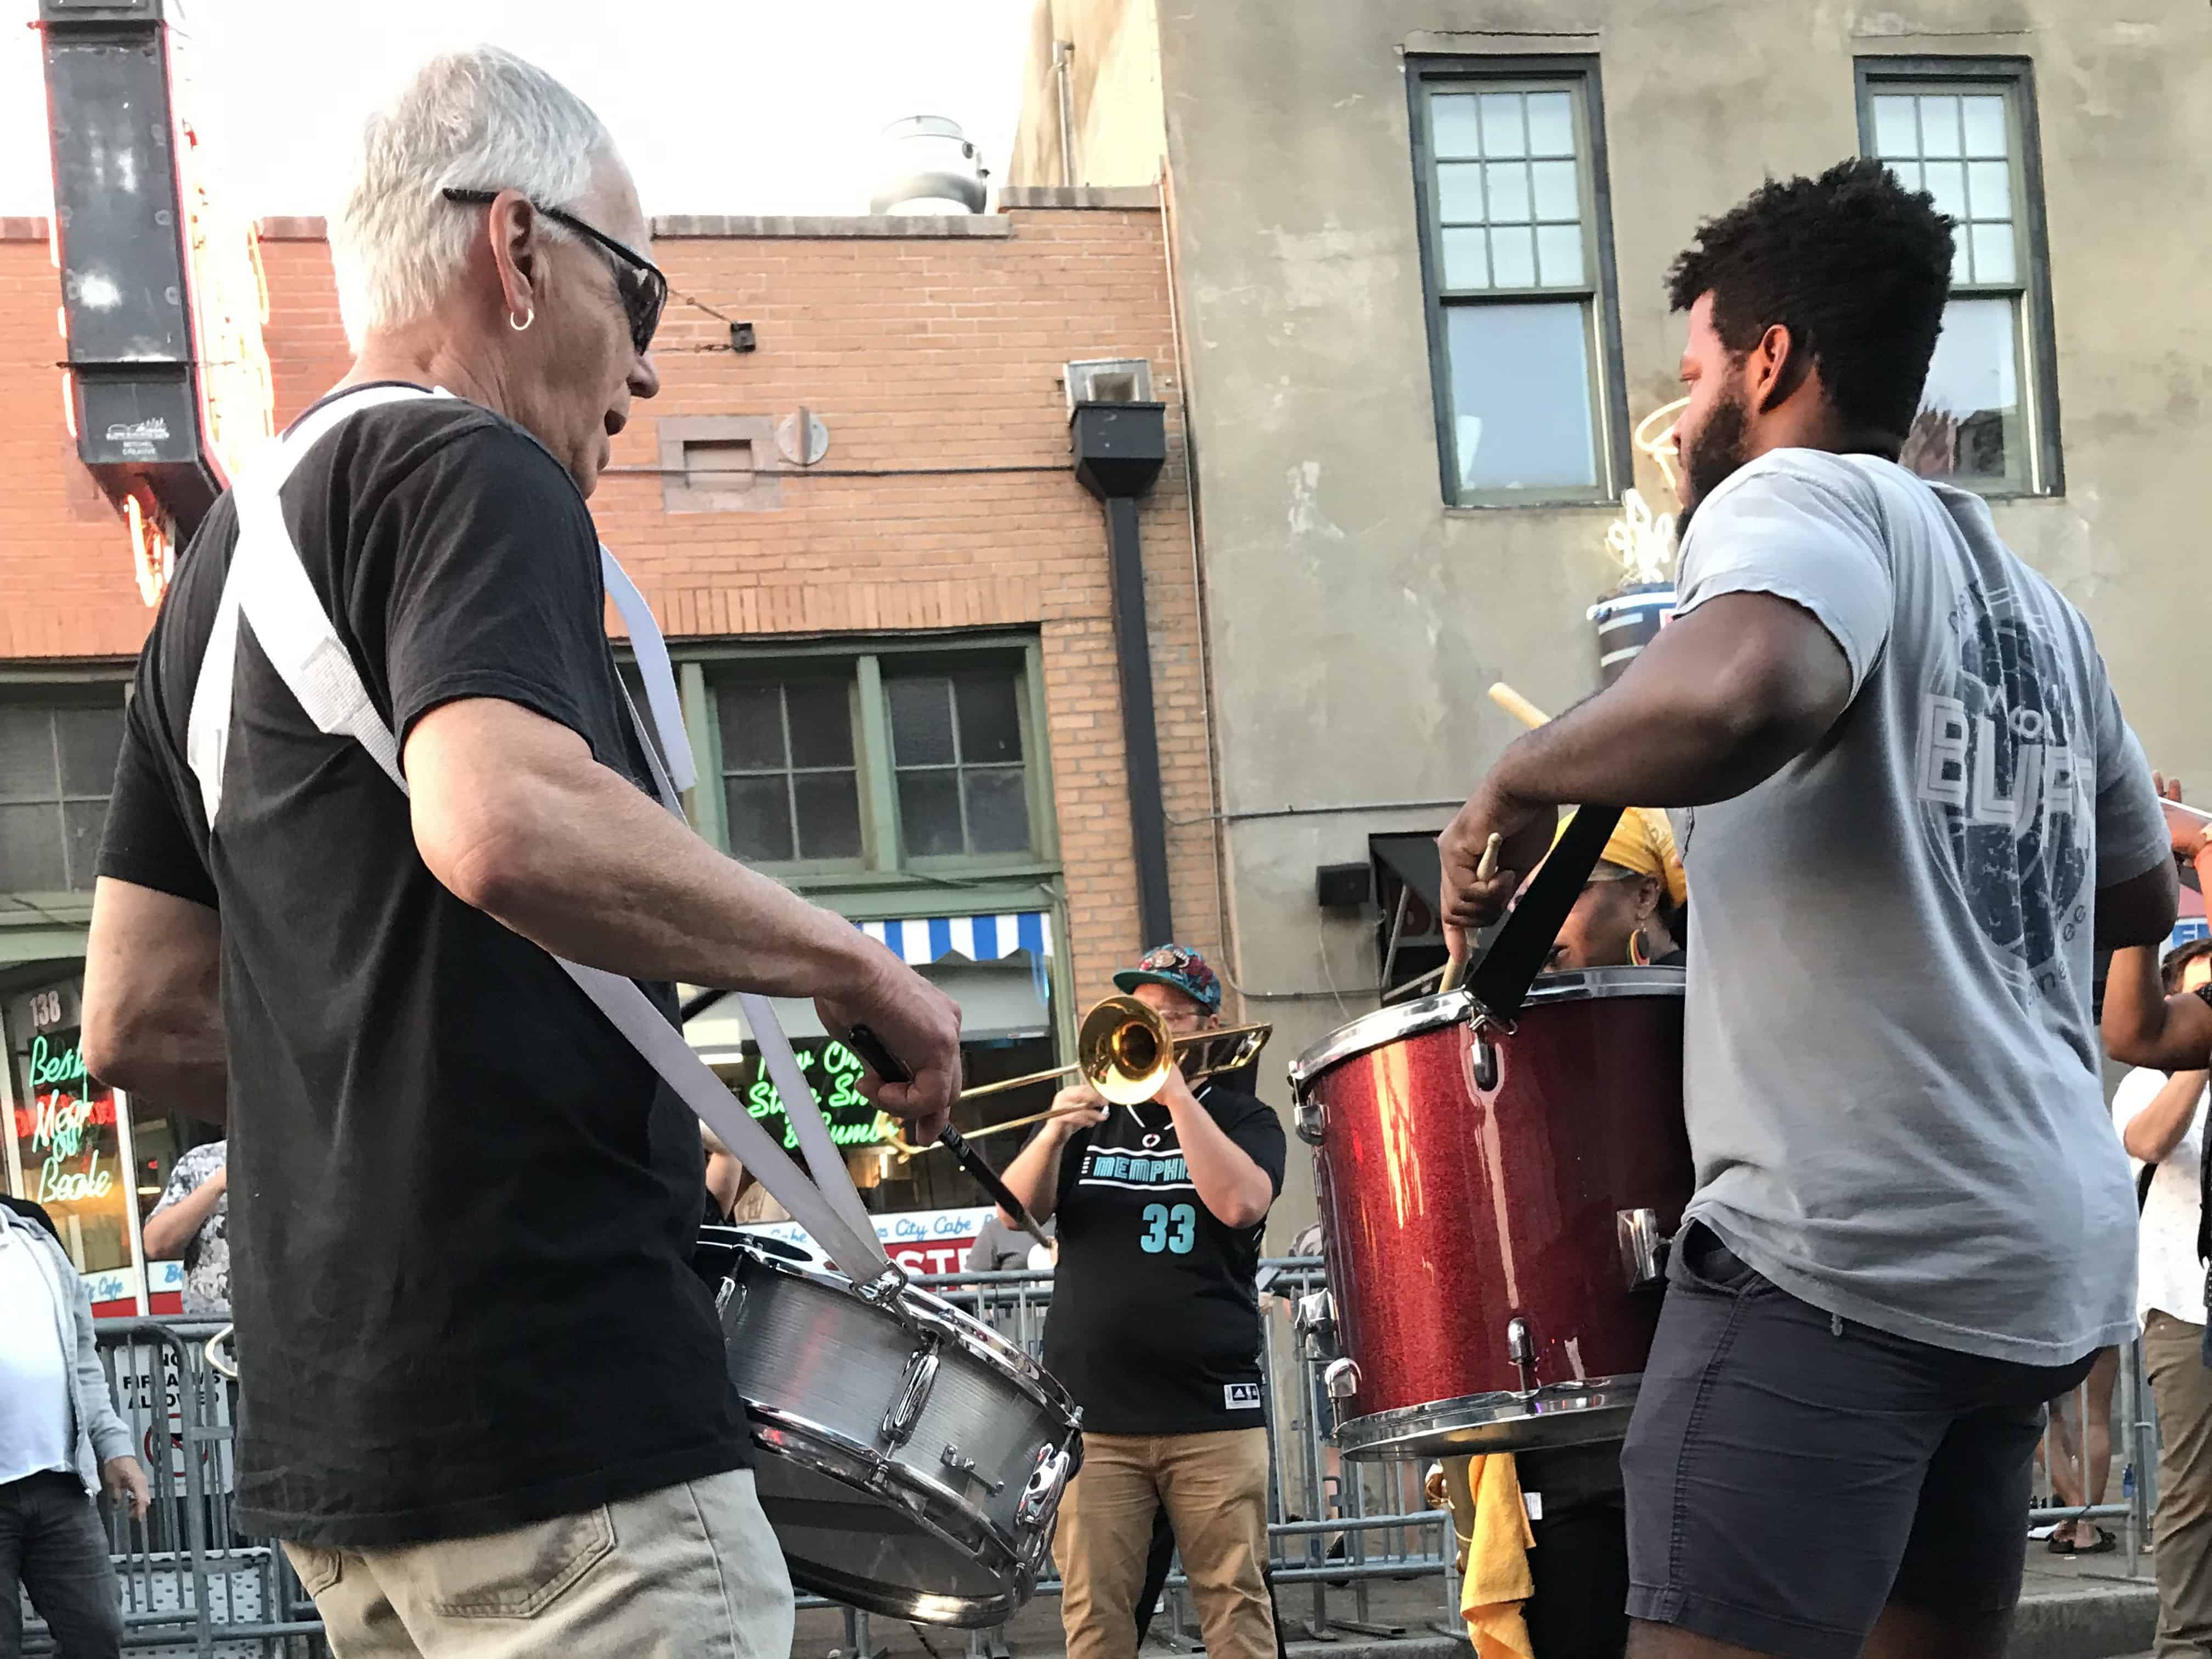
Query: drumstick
{"points": [[1484, 868], [1487, 866], [1518, 706]]}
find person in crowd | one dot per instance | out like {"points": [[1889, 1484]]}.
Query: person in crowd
{"points": [[61, 1444], [2079, 1448], [192, 1224], [1155, 1329], [1871, 1296], [2158, 1017], [448, 1163], [1000, 1247], [725, 1176], [2161, 1117], [1629, 911]]}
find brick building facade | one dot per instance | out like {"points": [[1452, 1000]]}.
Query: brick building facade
{"points": [[939, 539]]}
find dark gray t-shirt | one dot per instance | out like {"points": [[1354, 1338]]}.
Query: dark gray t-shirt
{"points": [[1891, 1070]]}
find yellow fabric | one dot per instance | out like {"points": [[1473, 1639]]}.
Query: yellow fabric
{"points": [[1643, 842], [1492, 1524]]}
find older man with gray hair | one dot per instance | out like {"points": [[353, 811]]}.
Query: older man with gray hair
{"points": [[484, 1398]]}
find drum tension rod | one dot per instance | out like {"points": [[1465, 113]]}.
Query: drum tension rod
{"points": [[960, 1463], [1521, 1349]]}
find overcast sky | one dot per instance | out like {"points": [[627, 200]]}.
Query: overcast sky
{"points": [[720, 106]]}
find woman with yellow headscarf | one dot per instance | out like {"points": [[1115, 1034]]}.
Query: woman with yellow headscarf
{"points": [[1629, 913]]}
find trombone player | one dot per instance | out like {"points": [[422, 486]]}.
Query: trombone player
{"points": [[1155, 1326]]}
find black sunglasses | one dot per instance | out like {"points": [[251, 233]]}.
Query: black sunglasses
{"points": [[643, 289]]}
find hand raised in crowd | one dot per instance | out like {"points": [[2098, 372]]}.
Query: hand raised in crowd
{"points": [[1470, 901], [2191, 834], [917, 1024], [125, 1481]]}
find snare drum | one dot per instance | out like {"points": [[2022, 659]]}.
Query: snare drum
{"points": [[1493, 1201], [911, 1459]]}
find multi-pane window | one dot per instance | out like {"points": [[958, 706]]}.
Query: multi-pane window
{"points": [[1521, 313], [790, 788], [1963, 137], [957, 748], [877, 763], [57, 768]]}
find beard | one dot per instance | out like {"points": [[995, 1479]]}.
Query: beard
{"points": [[1717, 451]]}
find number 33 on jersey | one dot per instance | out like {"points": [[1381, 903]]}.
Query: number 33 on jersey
{"points": [[1170, 1227]]}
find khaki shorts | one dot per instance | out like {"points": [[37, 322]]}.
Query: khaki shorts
{"points": [[691, 1571]]}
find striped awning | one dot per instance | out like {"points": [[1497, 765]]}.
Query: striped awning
{"points": [[920, 940]]}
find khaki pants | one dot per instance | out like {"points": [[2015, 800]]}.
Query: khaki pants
{"points": [[1214, 1488], [2173, 1360], [691, 1571]]}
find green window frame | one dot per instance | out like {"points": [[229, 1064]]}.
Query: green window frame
{"points": [[1965, 130], [59, 744], [1517, 270], [718, 683]]}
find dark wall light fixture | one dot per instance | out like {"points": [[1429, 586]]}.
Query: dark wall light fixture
{"points": [[1119, 440]]}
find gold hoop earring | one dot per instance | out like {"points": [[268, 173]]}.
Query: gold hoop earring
{"points": [[528, 318]]}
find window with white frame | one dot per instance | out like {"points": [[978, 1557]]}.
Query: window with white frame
{"points": [[1963, 130], [1517, 253]]}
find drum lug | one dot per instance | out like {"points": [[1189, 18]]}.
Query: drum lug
{"points": [[1307, 1118], [1040, 1496], [1315, 1321], [960, 1463], [1482, 1053], [912, 1394], [1340, 1380], [1643, 1247], [1521, 1349], [884, 1288]]}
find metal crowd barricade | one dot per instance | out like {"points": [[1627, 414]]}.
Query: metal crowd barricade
{"points": [[192, 1584], [2134, 1452]]}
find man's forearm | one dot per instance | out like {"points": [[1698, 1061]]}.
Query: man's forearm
{"points": [[1719, 702], [2153, 1133], [1649, 751], [1234, 1189], [575, 859], [169, 1229], [2143, 1026]]}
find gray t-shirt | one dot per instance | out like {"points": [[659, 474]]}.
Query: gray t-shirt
{"points": [[1890, 1066]]}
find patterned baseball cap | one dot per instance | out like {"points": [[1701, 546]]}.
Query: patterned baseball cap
{"points": [[1175, 965]]}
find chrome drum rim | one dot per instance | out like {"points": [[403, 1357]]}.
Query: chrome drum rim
{"points": [[1557, 1414], [1393, 1024]]}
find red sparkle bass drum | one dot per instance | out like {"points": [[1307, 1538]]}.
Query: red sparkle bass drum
{"points": [[1495, 1197]]}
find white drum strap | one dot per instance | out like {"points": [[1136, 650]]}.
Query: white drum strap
{"points": [[268, 587]]}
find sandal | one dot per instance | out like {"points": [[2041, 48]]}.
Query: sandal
{"points": [[2104, 1544]]}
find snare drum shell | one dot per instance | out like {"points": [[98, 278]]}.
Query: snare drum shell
{"points": [[1455, 1198]]}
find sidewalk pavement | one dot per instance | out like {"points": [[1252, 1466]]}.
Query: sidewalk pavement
{"points": [[2080, 1608], [2083, 1606]]}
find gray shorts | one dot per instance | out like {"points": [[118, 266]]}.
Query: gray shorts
{"points": [[1788, 1476]]}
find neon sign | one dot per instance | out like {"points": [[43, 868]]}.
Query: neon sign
{"points": [[63, 1121], [834, 1073]]}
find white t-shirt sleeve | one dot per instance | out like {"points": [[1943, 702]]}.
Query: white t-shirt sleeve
{"points": [[1803, 528]]}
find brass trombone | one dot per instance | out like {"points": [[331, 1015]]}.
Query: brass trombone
{"points": [[1125, 1051]]}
